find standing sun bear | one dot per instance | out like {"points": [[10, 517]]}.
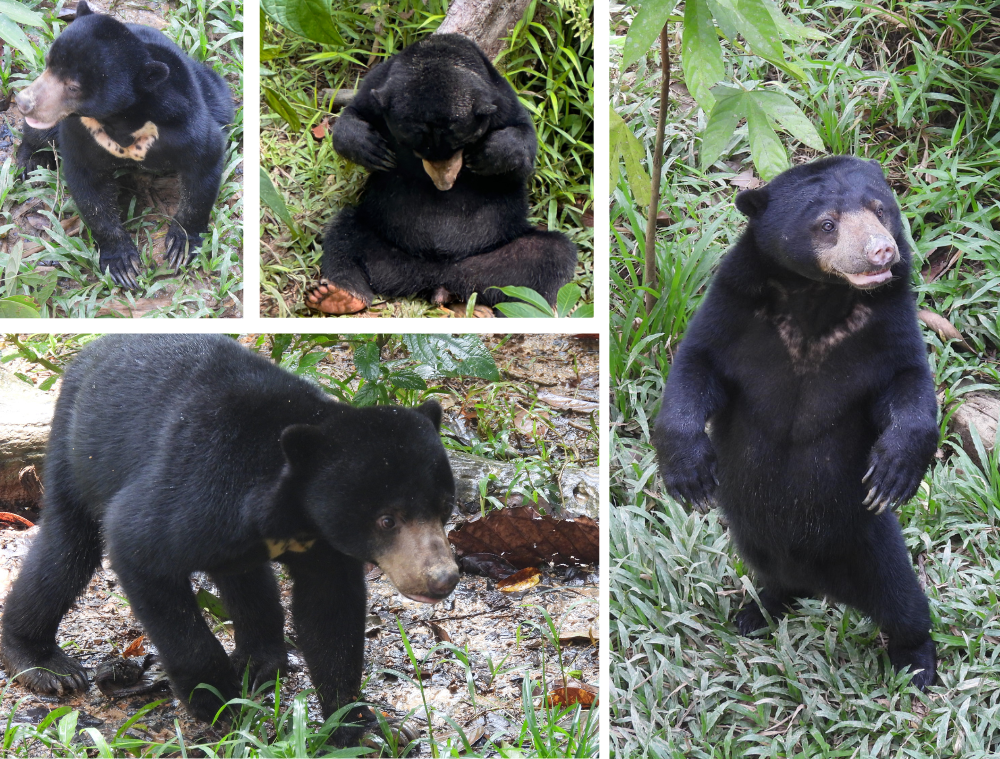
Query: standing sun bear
{"points": [[184, 453], [122, 96], [444, 212], [800, 400]]}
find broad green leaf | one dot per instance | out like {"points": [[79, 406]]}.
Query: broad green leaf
{"points": [[792, 28], [645, 29], [19, 307], [727, 17], [701, 53], [586, 311], [567, 297], [782, 109], [451, 356], [366, 360], [19, 14], [722, 122], [407, 379], [759, 29], [529, 296], [768, 153], [270, 197], [520, 311], [368, 395], [626, 146], [312, 19], [280, 105], [11, 34], [211, 603]]}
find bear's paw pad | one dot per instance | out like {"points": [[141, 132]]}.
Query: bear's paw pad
{"points": [[327, 297]]}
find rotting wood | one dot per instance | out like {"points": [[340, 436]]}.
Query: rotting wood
{"points": [[485, 22]]}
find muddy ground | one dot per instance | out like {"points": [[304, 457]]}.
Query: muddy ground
{"points": [[497, 629]]}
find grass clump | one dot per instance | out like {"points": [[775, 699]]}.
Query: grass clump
{"points": [[914, 86]]}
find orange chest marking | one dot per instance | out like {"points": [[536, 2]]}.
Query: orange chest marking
{"points": [[142, 139]]}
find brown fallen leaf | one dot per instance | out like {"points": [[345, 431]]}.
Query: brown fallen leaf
{"points": [[135, 648], [522, 580], [320, 130], [745, 180], [486, 564], [440, 633], [571, 697], [569, 404], [525, 538], [578, 635], [944, 328]]}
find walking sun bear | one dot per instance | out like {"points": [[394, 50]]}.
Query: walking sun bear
{"points": [[190, 453], [806, 362], [444, 212], [116, 96]]}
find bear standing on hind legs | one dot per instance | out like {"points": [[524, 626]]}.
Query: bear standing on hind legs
{"points": [[444, 212], [116, 96], [187, 453], [806, 363]]}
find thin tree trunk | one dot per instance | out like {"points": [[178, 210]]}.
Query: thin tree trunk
{"points": [[650, 278], [485, 22]]}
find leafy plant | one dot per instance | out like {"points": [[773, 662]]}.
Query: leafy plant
{"points": [[533, 305], [11, 14]]}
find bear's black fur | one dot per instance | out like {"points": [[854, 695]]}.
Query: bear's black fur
{"points": [[807, 364], [444, 212], [116, 96], [190, 453]]}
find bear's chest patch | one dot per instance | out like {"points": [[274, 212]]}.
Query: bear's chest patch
{"points": [[807, 353], [142, 139], [294, 545]]}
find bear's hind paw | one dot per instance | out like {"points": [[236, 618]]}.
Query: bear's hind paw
{"points": [[330, 299], [55, 675]]}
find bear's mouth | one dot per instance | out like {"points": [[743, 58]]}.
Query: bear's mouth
{"points": [[34, 124], [870, 278], [423, 599]]}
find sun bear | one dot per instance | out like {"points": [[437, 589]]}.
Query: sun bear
{"points": [[187, 453], [116, 96], [444, 212], [800, 400]]}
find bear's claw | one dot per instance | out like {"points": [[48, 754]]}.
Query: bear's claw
{"points": [[123, 268]]}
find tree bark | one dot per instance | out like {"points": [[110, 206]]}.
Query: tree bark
{"points": [[650, 278], [25, 417], [485, 22]]}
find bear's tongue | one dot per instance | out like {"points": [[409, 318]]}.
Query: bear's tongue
{"points": [[38, 124], [869, 279]]}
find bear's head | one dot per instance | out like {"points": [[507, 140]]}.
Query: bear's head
{"points": [[437, 100], [377, 485], [95, 68], [834, 219]]}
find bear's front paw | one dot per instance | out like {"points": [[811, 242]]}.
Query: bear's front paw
{"points": [[355, 723], [688, 470], [891, 480], [330, 299], [181, 246], [54, 675], [373, 152], [921, 660], [122, 263]]}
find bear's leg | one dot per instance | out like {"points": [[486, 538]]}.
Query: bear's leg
{"points": [[96, 195], [329, 602], [190, 654], [253, 602], [35, 149], [776, 600], [542, 261], [200, 182], [58, 567], [344, 288], [882, 584]]}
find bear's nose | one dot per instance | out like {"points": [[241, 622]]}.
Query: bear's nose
{"points": [[441, 581], [881, 251], [25, 102]]}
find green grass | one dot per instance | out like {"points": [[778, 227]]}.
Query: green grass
{"points": [[549, 66], [913, 85], [70, 285]]}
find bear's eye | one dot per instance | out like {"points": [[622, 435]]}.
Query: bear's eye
{"points": [[386, 523], [828, 226], [74, 88], [880, 212]]}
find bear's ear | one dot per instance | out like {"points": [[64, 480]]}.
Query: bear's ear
{"points": [[301, 443], [752, 202], [381, 98], [484, 107], [82, 9], [154, 73], [432, 410]]}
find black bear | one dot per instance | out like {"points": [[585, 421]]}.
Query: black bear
{"points": [[116, 96], [444, 212], [806, 363], [185, 453]]}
